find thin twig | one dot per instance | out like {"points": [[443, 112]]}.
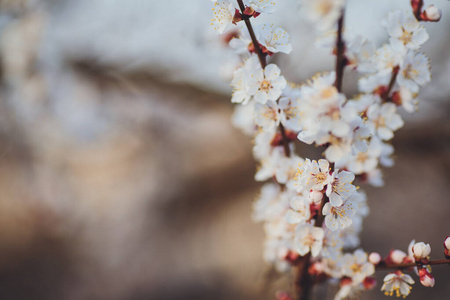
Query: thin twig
{"points": [[413, 264], [340, 57]]}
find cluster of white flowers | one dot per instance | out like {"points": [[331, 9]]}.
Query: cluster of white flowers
{"points": [[312, 209]]}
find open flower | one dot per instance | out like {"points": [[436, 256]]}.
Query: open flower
{"points": [[269, 84], [384, 120], [405, 30], [223, 14], [300, 211], [274, 39], [338, 217], [397, 282], [341, 187], [308, 238], [357, 267]]}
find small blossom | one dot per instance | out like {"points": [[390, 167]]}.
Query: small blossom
{"points": [[447, 247], [267, 115], [223, 14], [432, 13], [341, 188], [421, 250], [244, 82], [397, 282], [312, 175], [338, 217], [384, 120], [374, 258], [426, 279], [405, 30], [397, 256], [261, 6], [274, 39], [300, 212], [308, 238], [269, 84], [414, 71], [357, 267]]}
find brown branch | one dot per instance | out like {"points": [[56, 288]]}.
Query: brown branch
{"points": [[258, 50], [341, 61], [413, 264], [385, 95], [287, 150], [303, 279], [262, 60]]}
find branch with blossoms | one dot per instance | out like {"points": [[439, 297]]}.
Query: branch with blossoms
{"points": [[312, 211]]}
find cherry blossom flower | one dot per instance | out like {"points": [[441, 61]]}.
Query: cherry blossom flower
{"points": [[300, 211], [274, 39], [279, 166], [405, 30], [341, 187], [414, 71], [261, 6], [313, 175], [432, 13], [269, 84], [384, 120], [356, 266], [340, 216], [244, 82], [308, 238], [267, 115], [397, 282], [426, 279], [223, 14], [421, 250], [290, 114]]}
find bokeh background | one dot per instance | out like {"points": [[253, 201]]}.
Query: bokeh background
{"points": [[121, 176]]}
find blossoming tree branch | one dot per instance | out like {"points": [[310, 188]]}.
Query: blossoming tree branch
{"points": [[312, 211]]}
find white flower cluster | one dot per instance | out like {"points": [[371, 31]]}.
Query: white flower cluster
{"points": [[312, 209]]}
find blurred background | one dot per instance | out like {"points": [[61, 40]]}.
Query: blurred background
{"points": [[121, 176]]}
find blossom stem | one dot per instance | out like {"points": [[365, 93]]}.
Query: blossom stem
{"points": [[262, 60], [287, 150], [248, 24], [417, 7], [340, 58], [391, 83], [382, 266]]}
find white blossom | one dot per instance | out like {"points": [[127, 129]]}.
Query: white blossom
{"points": [[414, 71], [308, 238], [338, 217], [223, 14], [357, 267], [269, 84], [274, 39], [384, 120], [405, 30], [397, 282]]}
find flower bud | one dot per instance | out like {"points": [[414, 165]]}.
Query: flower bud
{"points": [[447, 247], [316, 197], [374, 258], [426, 279], [447, 243], [397, 256], [421, 250], [432, 13], [369, 283]]}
